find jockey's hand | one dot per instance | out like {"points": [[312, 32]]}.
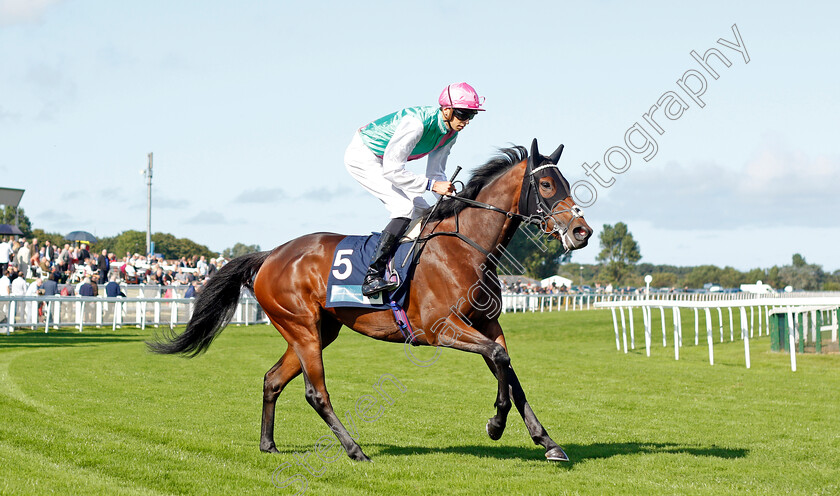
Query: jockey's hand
{"points": [[443, 187]]}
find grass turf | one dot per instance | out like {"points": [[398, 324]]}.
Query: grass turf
{"points": [[94, 413]]}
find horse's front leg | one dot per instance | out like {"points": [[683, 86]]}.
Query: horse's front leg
{"points": [[553, 451], [496, 424], [456, 334]]}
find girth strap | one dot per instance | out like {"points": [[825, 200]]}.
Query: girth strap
{"points": [[402, 322]]}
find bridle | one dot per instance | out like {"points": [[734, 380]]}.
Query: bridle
{"points": [[540, 210], [537, 212]]}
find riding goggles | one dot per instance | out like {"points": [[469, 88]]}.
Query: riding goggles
{"points": [[464, 114]]}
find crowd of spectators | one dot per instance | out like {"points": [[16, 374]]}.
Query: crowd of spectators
{"points": [[519, 286], [529, 286], [31, 268]]}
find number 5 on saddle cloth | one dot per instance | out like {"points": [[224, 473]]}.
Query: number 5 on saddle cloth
{"points": [[350, 262]]}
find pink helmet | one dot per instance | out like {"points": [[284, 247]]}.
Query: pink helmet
{"points": [[462, 96]]}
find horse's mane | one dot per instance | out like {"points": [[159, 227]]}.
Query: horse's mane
{"points": [[507, 158]]}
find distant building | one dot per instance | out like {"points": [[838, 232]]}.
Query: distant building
{"points": [[509, 279], [517, 284], [757, 288], [557, 281]]}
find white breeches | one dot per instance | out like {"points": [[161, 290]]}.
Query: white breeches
{"points": [[366, 168]]}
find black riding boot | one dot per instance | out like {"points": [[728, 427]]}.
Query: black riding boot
{"points": [[389, 240]]}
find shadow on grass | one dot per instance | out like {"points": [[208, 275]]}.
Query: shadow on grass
{"points": [[577, 452], [63, 338]]}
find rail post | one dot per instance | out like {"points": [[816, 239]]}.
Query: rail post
{"points": [[818, 337], [802, 331]]}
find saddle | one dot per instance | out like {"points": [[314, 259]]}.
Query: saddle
{"points": [[350, 262], [412, 231]]}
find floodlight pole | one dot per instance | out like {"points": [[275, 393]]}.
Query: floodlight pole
{"points": [[149, 207]]}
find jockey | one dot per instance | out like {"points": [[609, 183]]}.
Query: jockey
{"points": [[377, 156]]}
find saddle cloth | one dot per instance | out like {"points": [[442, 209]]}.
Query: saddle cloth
{"points": [[350, 262]]}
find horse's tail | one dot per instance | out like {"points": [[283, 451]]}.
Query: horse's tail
{"points": [[214, 307]]}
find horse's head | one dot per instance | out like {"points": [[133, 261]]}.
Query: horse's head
{"points": [[546, 196]]}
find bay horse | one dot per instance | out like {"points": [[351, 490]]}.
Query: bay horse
{"points": [[454, 294]]}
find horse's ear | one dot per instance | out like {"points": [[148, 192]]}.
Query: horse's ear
{"points": [[555, 157], [535, 153]]}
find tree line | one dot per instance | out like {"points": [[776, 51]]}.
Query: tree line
{"points": [[130, 241]]}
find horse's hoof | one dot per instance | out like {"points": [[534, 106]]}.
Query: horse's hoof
{"points": [[270, 449], [556, 454], [358, 456], [494, 429]]}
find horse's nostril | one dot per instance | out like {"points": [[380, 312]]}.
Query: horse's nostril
{"points": [[580, 233]]}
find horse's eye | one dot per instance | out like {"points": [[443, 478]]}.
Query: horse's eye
{"points": [[545, 184]]}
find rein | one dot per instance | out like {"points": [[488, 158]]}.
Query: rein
{"points": [[540, 219]]}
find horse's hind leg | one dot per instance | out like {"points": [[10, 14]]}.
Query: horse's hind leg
{"points": [[286, 369], [309, 354]]}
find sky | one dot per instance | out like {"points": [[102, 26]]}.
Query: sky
{"points": [[248, 107]]}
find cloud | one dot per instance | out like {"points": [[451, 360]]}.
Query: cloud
{"points": [[777, 173], [207, 217], [112, 56], [158, 201], [55, 216], [324, 194], [8, 116], [274, 195], [166, 202], [52, 87], [776, 188], [174, 63], [261, 195], [23, 11], [73, 195]]}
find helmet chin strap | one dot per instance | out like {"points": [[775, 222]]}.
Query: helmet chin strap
{"points": [[448, 121]]}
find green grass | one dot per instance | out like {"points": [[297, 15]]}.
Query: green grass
{"points": [[94, 413]]}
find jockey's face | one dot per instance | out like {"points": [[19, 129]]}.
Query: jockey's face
{"points": [[453, 123]]}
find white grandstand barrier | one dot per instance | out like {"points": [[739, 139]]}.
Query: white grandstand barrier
{"points": [[91, 311], [677, 343], [696, 328], [709, 338], [791, 331], [584, 301], [662, 319], [792, 305], [745, 336], [731, 326], [679, 323], [623, 328], [615, 325]]}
